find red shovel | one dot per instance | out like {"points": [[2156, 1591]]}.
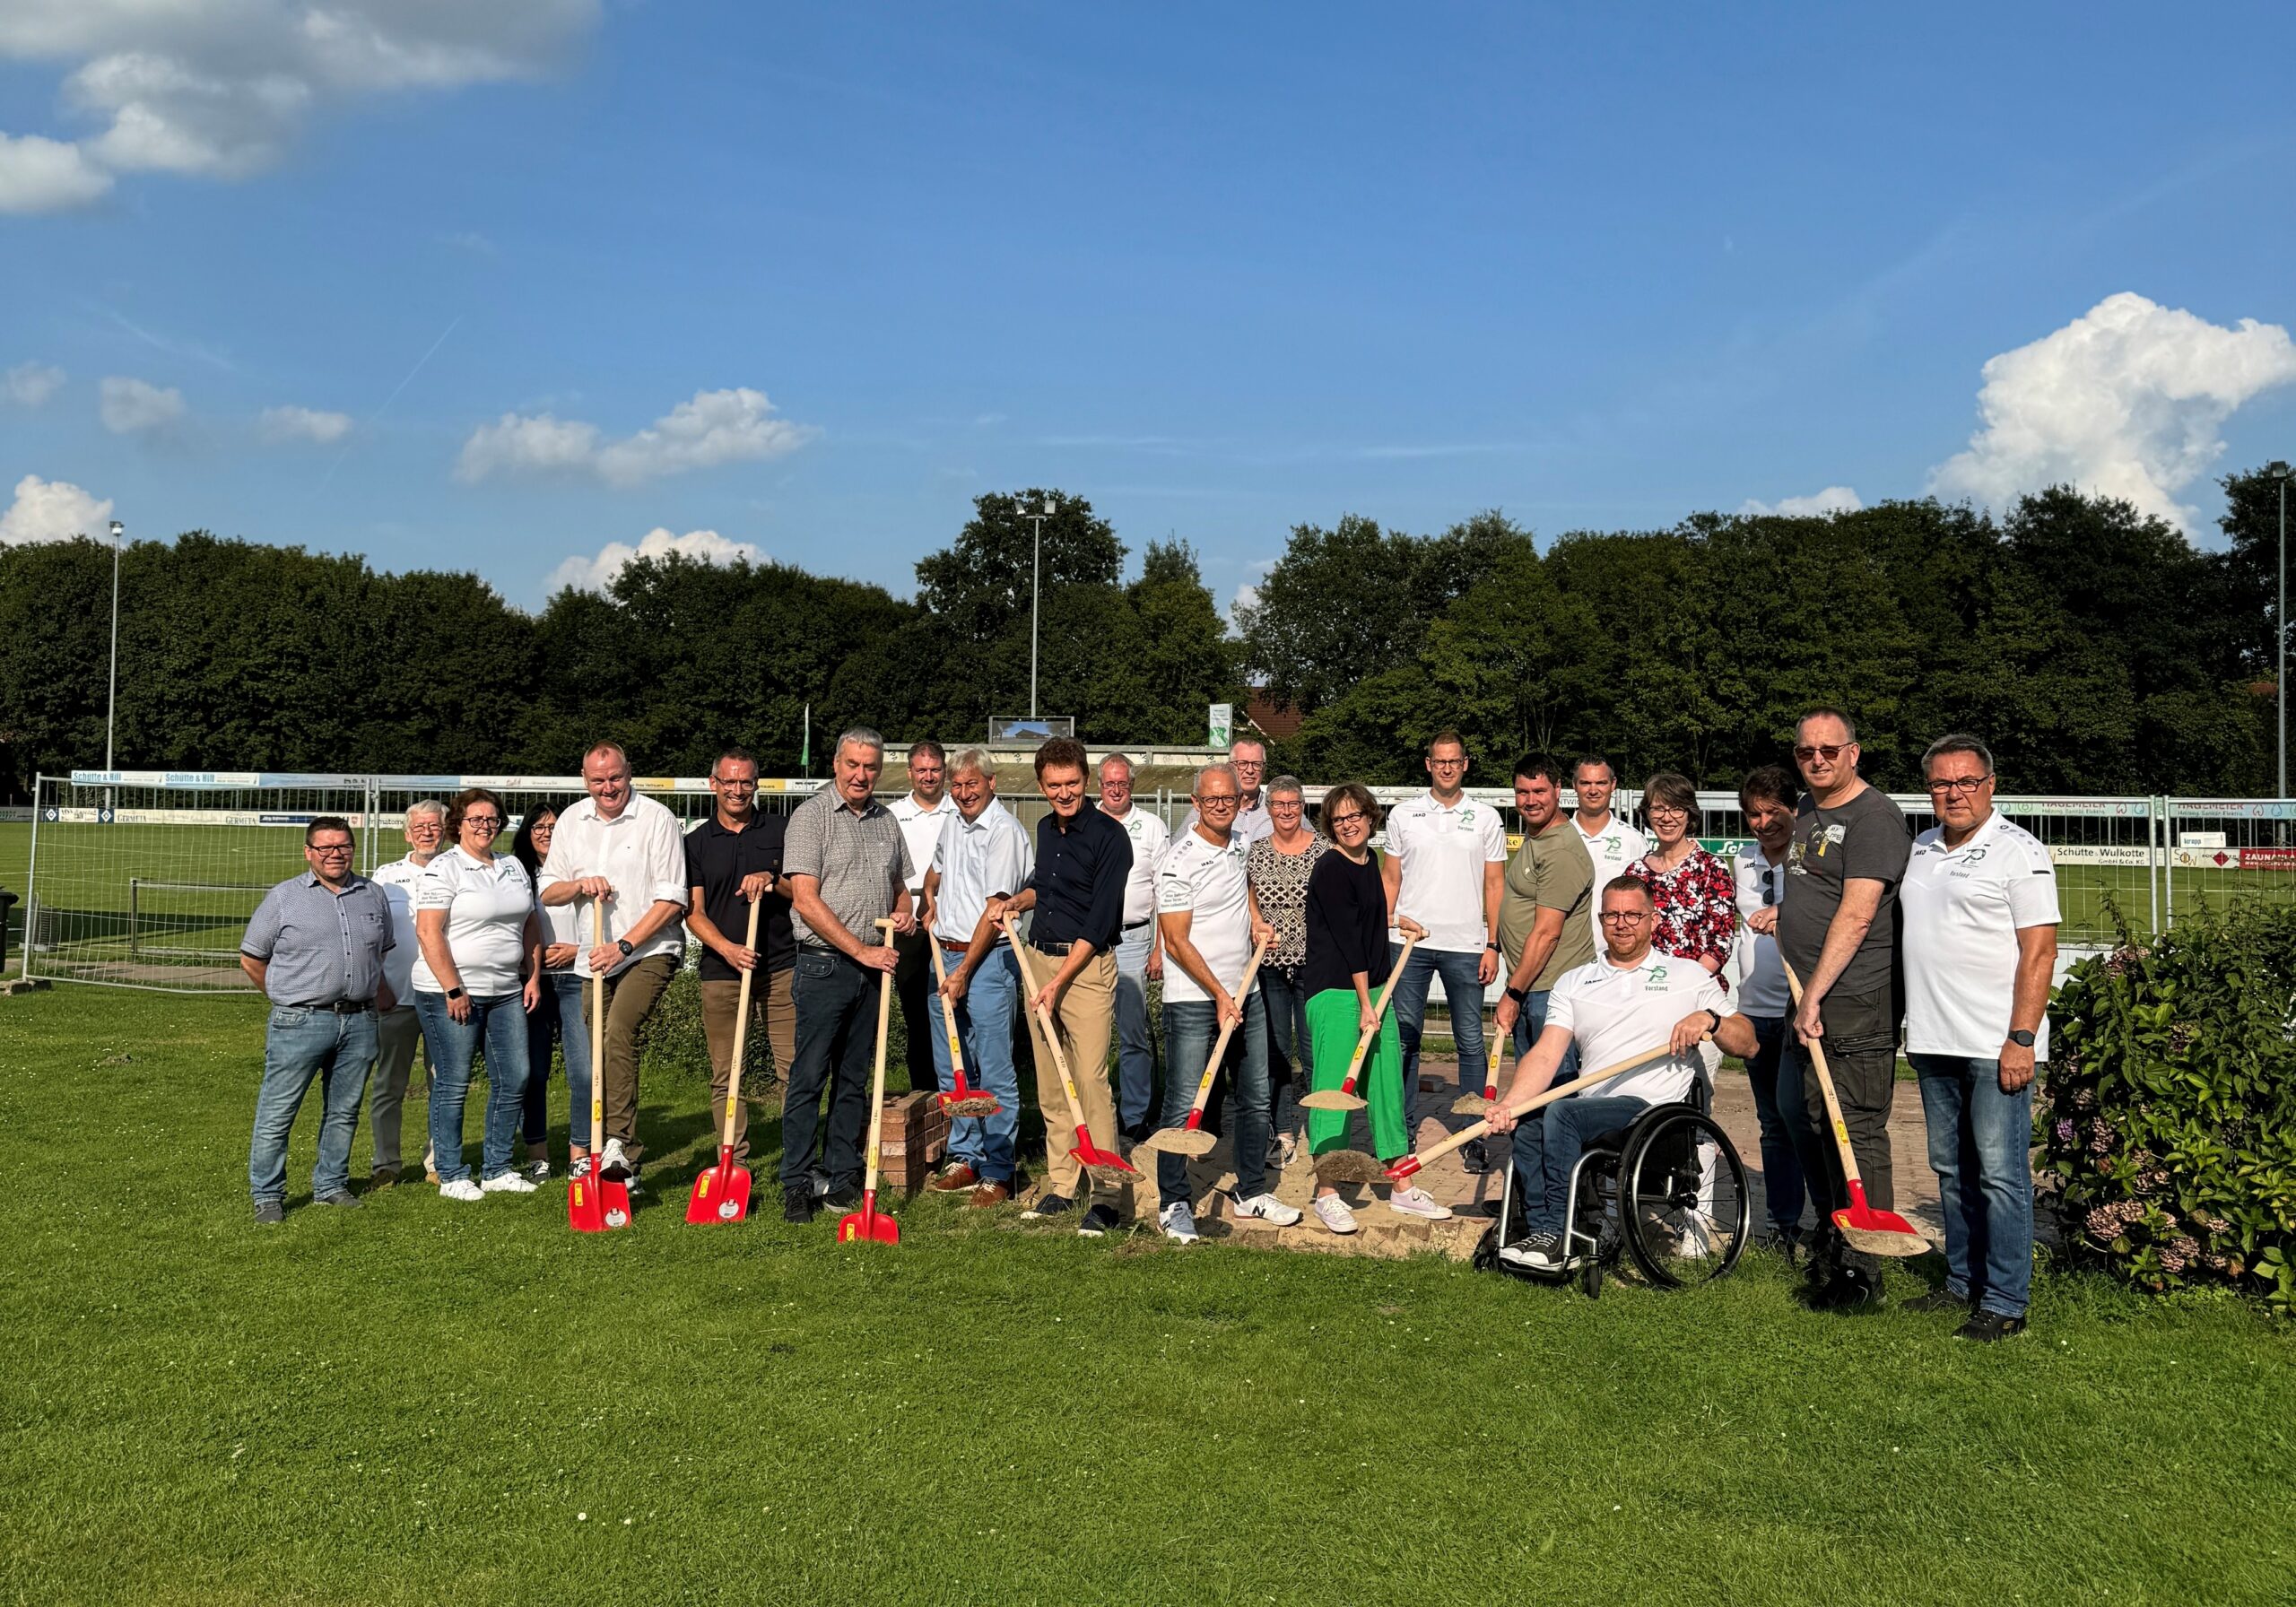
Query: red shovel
{"points": [[1084, 1150], [1189, 1138], [1866, 1228], [594, 1204], [869, 1222], [1344, 1097], [722, 1193], [964, 1100]]}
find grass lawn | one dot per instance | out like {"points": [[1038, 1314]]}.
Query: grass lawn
{"points": [[421, 1400]]}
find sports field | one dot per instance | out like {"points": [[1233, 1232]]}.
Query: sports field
{"points": [[419, 1400]]}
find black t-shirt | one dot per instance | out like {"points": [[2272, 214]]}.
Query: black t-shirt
{"points": [[1347, 925], [715, 860], [1864, 839]]}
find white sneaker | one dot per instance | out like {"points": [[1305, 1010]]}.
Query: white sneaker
{"points": [[1692, 1240], [613, 1164], [1179, 1223], [1287, 1150], [506, 1183], [1267, 1208], [1332, 1211], [461, 1188], [1417, 1202]]}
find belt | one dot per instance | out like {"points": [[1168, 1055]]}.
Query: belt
{"points": [[1135, 926], [953, 948], [339, 1007]]}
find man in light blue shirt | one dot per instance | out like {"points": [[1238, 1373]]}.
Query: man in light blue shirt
{"points": [[983, 853], [316, 948]]}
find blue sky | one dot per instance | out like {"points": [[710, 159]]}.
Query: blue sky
{"points": [[550, 277]]}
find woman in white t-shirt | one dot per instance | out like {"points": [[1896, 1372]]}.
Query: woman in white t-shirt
{"points": [[479, 973]]}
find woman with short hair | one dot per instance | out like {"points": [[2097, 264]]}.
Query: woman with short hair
{"points": [[1277, 867], [479, 974], [1693, 892], [556, 1018]]}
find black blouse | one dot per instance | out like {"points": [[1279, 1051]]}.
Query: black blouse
{"points": [[1347, 925]]}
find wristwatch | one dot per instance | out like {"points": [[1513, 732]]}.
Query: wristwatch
{"points": [[453, 993], [2021, 1038], [625, 945], [1521, 996]]}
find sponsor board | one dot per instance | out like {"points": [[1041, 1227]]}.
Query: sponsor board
{"points": [[2235, 859]]}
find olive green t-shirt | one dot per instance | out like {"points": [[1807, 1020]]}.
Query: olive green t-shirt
{"points": [[1550, 871]]}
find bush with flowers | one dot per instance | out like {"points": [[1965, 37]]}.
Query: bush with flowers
{"points": [[2166, 1116]]}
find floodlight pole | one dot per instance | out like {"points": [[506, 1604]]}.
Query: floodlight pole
{"points": [[2280, 472], [1036, 592], [111, 691]]}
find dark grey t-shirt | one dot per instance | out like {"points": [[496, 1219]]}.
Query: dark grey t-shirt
{"points": [[1864, 839]]}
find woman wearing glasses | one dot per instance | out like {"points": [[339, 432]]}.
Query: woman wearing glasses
{"points": [[1278, 867], [1766, 802], [1691, 890], [1344, 927], [479, 974], [556, 1018]]}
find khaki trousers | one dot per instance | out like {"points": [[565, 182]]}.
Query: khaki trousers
{"points": [[773, 1006], [1086, 1021], [397, 1034], [631, 993]]}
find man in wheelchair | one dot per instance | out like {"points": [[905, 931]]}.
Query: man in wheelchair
{"points": [[1632, 1001]]}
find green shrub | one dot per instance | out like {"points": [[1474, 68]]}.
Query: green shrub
{"points": [[2166, 1117]]}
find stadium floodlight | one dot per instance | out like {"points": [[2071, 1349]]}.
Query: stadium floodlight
{"points": [[2280, 472], [1036, 588]]}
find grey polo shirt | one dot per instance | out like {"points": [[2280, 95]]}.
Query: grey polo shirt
{"points": [[860, 860], [321, 948]]}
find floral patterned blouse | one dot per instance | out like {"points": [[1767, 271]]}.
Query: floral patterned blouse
{"points": [[1280, 882], [1696, 903]]}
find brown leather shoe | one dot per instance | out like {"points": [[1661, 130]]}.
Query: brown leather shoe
{"points": [[990, 1195], [955, 1178]]}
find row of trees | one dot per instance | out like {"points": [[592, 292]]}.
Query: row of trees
{"points": [[2098, 651]]}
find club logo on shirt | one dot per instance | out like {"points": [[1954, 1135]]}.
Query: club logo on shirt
{"points": [[1656, 982]]}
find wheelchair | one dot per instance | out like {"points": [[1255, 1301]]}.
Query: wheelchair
{"points": [[1667, 1192]]}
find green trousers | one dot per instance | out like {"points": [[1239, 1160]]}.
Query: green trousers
{"points": [[1334, 1022]]}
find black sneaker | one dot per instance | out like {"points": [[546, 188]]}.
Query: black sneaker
{"points": [[342, 1197], [1986, 1326], [1050, 1206], [1939, 1299], [797, 1203], [846, 1198], [1542, 1251], [1099, 1220], [270, 1213], [1474, 1158]]}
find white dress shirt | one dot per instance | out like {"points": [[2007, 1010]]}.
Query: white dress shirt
{"points": [[641, 852], [977, 859], [1754, 965]]}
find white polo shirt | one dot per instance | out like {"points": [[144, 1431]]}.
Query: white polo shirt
{"points": [[641, 851], [1759, 974], [920, 829], [398, 880], [979, 859], [1620, 1014], [1150, 837], [1612, 848], [487, 904], [1441, 852], [1962, 908], [1208, 884]]}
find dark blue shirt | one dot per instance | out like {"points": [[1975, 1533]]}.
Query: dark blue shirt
{"points": [[1079, 879]]}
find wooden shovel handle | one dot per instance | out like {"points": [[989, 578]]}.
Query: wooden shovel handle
{"points": [[1227, 1031], [1378, 1014], [877, 1083], [948, 1007], [1044, 1020], [741, 1030], [1825, 1086], [1524, 1107], [597, 1032]]}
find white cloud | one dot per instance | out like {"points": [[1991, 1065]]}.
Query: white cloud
{"points": [[1833, 500], [52, 510], [281, 425], [130, 406], [595, 574], [728, 426], [32, 384], [41, 175], [223, 90], [2126, 401]]}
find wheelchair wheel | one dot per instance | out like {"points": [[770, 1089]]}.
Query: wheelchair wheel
{"points": [[1682, 1201]]}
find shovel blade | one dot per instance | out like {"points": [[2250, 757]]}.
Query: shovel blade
{"points": [[1331, 1098], [972, 1103], [1101, 1160], [868, 1224], [595, 1205], [721, 1193], [1190, 1141], [1472, 1104], [1875, 1231]]}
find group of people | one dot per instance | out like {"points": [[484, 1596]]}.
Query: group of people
{"points": [[1835, 926]]}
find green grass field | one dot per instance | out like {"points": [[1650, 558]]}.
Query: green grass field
{"points": [[421, 1400]]}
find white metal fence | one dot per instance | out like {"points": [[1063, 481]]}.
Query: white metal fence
{"points": [[146, 878]]}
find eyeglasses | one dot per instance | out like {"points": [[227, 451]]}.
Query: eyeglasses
{"points": [[1449, 764], [1624, 917], [329, 849], [1217, 800], [483, 822], [1249, 764], [1346, 820], [1958, 784], [1829, 751], [1668, 810], [750, 787]]}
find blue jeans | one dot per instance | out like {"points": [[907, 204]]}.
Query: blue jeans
{"points": [[498, 1021], [1527, 1028], [1135, 1054], [1778, 1107], [1188, 1032], [557, 1019], [836, 1012], [1980, 1143], [985, 1018], [1465, 994], [299, 1045], [1545, 1151], [1289, 1044]]}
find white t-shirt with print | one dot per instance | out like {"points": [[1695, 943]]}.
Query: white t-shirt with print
{"points": [[1616, 1013], [1612, 848], [1441, 852], [920, 829], [1207, 883], [1962, 908], [398, 881], [1149, 837], [487, 905]]}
